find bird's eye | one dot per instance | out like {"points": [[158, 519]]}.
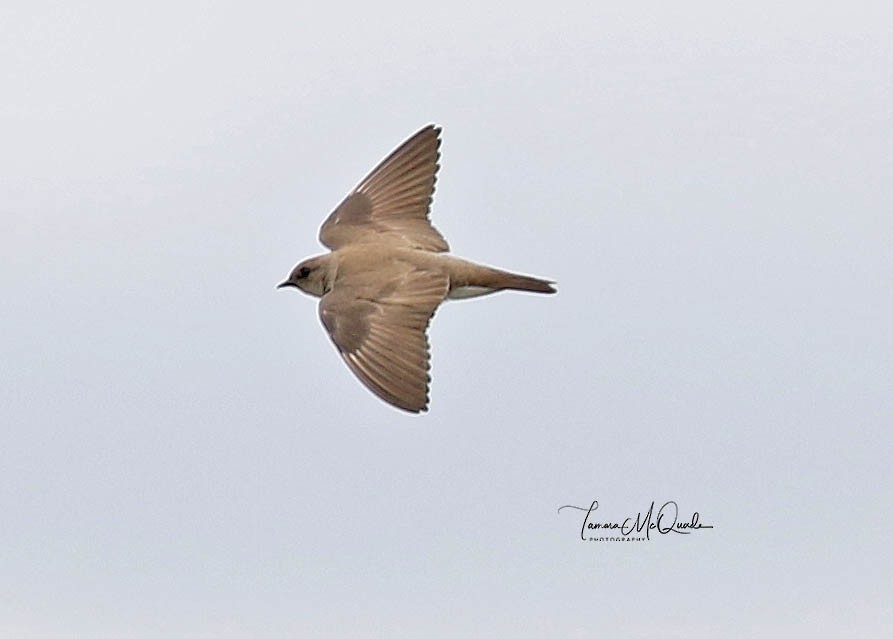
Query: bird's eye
{"points": [[304, 272]]}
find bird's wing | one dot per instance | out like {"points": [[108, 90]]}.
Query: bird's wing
{"points": [[378, 322], [391, 203]]}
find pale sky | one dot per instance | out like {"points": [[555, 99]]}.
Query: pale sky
{"points": [[184, 454]]}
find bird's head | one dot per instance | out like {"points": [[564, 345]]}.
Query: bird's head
{"points": [[310, 276]]}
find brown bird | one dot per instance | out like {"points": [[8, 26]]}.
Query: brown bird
{"points": [[388, 271]]}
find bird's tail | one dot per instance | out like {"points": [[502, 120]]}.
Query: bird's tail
{"points": [[472, 280], [514, 281]]}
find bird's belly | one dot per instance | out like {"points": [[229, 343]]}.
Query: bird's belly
{"points": [[464, 292]]}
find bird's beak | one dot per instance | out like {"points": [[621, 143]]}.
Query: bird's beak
{"points": [[284, 284]]}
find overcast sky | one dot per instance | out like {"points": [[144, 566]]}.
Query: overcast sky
{"points": [[183, 453]]}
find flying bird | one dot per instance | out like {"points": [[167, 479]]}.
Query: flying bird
{"points": [[388, 271]]}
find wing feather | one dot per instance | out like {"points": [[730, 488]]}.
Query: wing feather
{"points": [[392, 203], [379, 326]]}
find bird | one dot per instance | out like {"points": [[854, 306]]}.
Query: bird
{"points": [[387, 272]]}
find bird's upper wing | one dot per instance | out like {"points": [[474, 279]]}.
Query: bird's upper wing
{"points": [[378, 322], [391, 204]]}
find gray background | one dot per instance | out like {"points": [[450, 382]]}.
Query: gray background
{"points": [[183, 454]]}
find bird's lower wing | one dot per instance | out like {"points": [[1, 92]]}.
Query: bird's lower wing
{"points": [[380, 330]]}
